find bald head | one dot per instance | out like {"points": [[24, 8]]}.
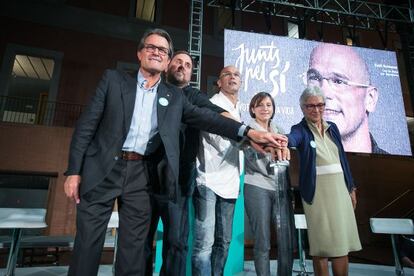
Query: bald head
{"points": [[341, 56], [343, 76]]}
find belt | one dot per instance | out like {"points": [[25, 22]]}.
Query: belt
{"points": [[131, 156]]}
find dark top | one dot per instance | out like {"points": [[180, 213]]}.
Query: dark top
{"points": [[190, 140]]}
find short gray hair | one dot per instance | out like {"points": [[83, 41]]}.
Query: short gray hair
{"points": [[311, 91], [159, 32]]}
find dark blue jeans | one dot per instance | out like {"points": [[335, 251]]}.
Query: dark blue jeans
{"points": [[212, 231]]}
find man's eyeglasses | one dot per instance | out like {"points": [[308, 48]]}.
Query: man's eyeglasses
{"points": [[314, 78], [162, 51], [319, 106]]}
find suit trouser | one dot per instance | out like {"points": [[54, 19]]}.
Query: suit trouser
{"points": [[174, 216], [128, 182], [175, 219]]}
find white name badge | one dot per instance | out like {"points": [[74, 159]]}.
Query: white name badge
{"points": [[163, 101]]}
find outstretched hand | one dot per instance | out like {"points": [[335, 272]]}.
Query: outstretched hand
{"points": [[275, 140]]}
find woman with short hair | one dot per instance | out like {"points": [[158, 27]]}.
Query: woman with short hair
{"points": [[326, 187]]}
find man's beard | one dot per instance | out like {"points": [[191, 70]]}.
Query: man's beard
{"points": [[173, 80]]}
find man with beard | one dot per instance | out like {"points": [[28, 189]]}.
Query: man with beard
{"points": [[174, 214], [343, 76]]}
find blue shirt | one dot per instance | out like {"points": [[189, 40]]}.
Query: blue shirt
{"points": [[144, 123]]}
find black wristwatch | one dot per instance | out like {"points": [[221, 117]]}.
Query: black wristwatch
{"points": [[246, 130]]}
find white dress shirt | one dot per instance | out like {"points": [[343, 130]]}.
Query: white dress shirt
{"points": [[218, 157]]}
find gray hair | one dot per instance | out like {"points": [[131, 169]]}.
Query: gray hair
{"points": [[159, 32], [312, 91]]}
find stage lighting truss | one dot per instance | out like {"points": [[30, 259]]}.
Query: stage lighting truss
{"points": [[354, 14]]}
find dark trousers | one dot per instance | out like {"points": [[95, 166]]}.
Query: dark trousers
{"points": [[127, 182], [261, 212], [174, 216], [266, 207]]}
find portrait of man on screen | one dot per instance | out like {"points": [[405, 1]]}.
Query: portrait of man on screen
{"points": [[362, 86], [343, 76]]}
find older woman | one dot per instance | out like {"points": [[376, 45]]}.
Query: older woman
{"points": [[326, 186], [266, 195]]}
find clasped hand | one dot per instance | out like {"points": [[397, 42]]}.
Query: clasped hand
{"points": [[275, 144]]}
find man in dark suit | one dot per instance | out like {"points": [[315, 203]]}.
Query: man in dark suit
{"points": [[130, 122]]}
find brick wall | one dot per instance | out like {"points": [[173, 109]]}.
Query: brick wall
{"points": [[40, 149]]}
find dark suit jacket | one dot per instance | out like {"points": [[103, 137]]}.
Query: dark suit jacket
{"points": [[102, 129], [190, 140]]}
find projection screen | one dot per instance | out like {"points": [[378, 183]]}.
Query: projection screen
{"points": [[282, 67]]}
